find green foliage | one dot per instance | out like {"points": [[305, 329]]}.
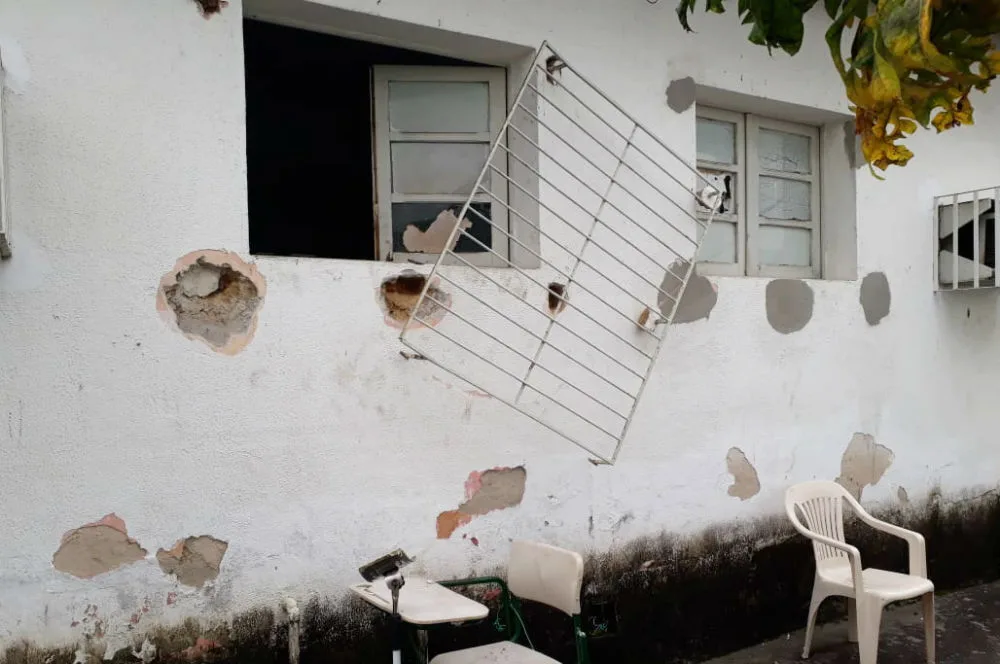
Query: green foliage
{"points": [[911, 62]]}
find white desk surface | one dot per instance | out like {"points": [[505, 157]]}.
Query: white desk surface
{"points": [[422, 602]]}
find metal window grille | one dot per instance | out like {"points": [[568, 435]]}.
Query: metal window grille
{"points": [[611, 219], [965, 237]]}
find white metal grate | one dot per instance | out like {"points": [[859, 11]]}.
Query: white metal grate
{"points": [[965, 239], [604, 223]]}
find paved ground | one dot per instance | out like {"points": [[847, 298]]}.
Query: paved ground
{"points": [[968, 632]]}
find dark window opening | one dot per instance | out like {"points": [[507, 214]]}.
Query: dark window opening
{"points": [[309, 143]]}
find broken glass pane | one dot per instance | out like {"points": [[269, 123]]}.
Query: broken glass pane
{"points": [[780, 245], [422, 228], [716, 141], [781, 151], [719, 245], [439, 106], [784, 199], [437, 168]]}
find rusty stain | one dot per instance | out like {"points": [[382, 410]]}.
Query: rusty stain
{"points": [[209, 7], [863, 464], [434, 239], [213, 297], [644, 317], [485, 492], [557, 298], [171, 598], [398, 296], [194, 560], [97, 548], [746, 483]]}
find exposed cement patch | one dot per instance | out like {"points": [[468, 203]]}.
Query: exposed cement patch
{"points": [[213, 297], [863, 464], [746, 484], [875, 297], [557, 298], [681, 94], [194, 561], [485, 492], [789, 304], [434, 239], [398, 296], [97, 548], [209, 7], [699, 298]]}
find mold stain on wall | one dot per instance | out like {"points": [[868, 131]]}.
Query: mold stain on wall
{"points": [[213, 297], [485, 492], [745, 484], [863, 464], [97, 548], [210, 7], [398, 296], [194, 560], [676, 599]]}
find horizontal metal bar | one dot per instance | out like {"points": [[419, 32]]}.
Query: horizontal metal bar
{"points": [[464, 232], [579, 205], [507, 402], [601, 170], [523, 356], [579, 336], [961, 193], [534, 335], [616, 105], [561, 272], [430, 326], [622, 136], [546, 288], [538, 229]]}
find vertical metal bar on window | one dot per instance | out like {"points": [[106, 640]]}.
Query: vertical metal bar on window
{"points": [[975, 238], [996, 237], [954, 242]]}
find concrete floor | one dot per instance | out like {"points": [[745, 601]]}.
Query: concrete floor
{"points": [[968, 632]]}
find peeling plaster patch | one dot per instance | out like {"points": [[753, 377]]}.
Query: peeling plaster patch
{"points": [[485, 492], [434, 239], [209, 7], [903, 496], [863, 464], [680, 94], [557, 298], [96, 548], [213, 297], [699, 298], [875, 297], [398, 295], [194, 561], [789, 304], [746, 484]]}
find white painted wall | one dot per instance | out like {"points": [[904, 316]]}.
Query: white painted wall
{"points": [[318, 447]]}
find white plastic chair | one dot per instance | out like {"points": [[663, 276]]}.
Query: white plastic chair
{"points": [[839, 571], [540, 573]]}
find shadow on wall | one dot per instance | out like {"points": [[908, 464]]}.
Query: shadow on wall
{"points": [[670, 599]]}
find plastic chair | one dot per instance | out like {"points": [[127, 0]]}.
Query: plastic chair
{"points": [[839, 571], [540, 573]]}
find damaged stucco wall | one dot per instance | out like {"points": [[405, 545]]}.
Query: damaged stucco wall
{"points": [[271, 449]]}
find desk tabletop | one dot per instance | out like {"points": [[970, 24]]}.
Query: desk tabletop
{"points": [[423, 602]]}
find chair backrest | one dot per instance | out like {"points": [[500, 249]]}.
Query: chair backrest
{"points": [[821, 503], [546, 574]]}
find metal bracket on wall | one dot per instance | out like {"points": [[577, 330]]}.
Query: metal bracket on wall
{"points": [[603, 222]]}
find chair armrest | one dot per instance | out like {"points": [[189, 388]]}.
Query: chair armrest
{"points": [[853, 555], [915, 542], [507, 600]]}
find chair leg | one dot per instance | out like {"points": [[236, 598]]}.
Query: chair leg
{"points": [[817, 598], [852, 620], [929, 627], [869, 622]]}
